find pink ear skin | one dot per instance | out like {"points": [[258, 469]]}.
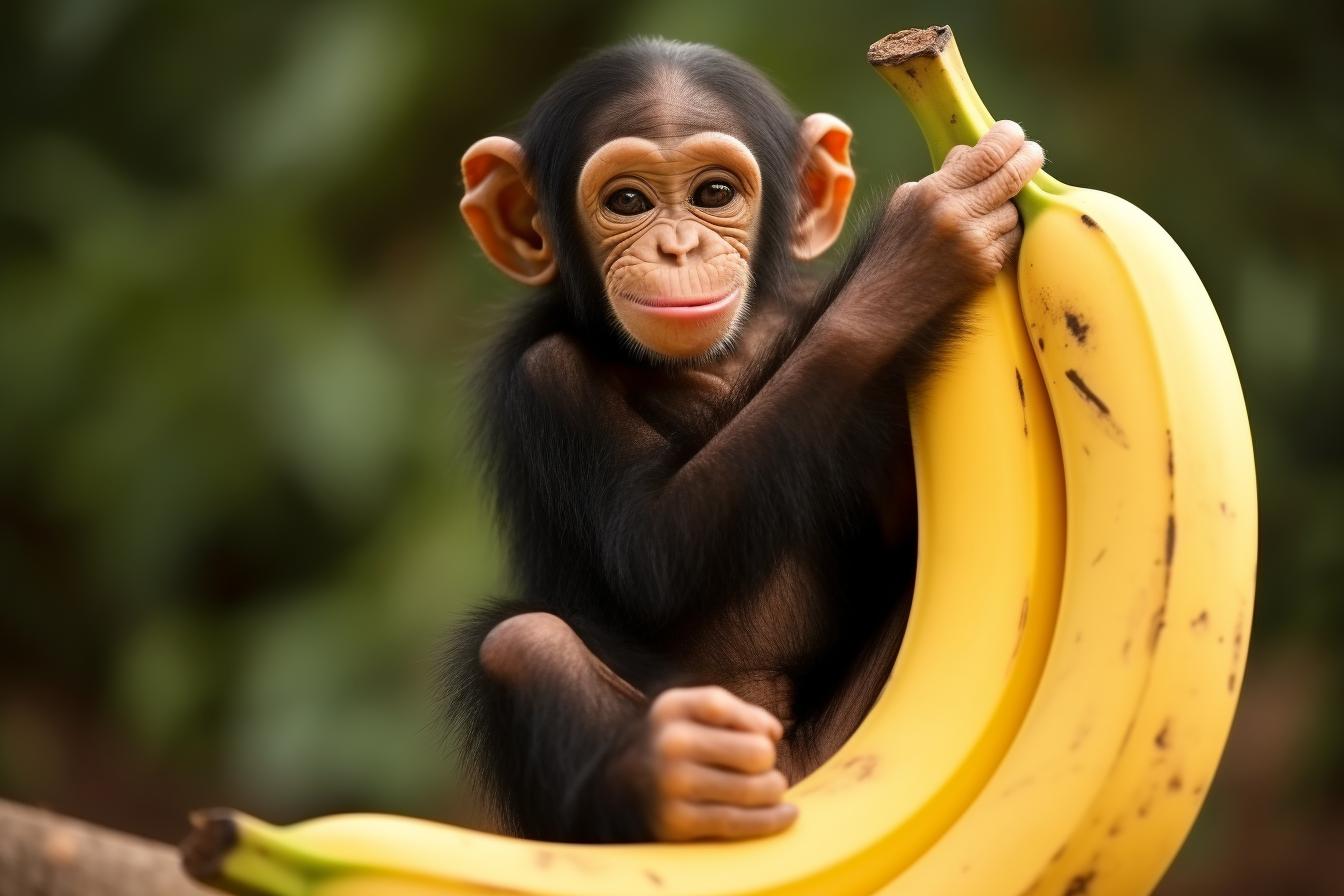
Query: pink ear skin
{"points": [[827, 185], [501, 211]]}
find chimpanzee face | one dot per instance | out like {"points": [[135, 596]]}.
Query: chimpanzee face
{"points": [[670, 223]]}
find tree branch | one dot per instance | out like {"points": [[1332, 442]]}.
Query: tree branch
{"points": [[45, 854]]}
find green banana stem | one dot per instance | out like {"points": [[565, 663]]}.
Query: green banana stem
{"points": [[924, 66], [238, 853]]}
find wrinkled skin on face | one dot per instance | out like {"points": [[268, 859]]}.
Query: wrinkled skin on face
{"points": [[669, 226]]}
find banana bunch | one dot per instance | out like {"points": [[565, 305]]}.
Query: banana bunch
{"points": [[1078, 633]]}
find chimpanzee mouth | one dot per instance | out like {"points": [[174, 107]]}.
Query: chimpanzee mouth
{"points": [[686, 306]]}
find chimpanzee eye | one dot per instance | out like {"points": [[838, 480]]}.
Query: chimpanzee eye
{"points": [[628, 202], [713, 194]]}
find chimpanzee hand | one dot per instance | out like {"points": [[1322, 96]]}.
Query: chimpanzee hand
{"points": [[711, 759], [943, 238]]}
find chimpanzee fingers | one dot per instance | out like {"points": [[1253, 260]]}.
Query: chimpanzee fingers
{"points": [[1001, 220], [713, 705], [1008, 181], [1006, 246], [698, 821], [699, 783], [956, 152], [733, 822], [739, 751], [961, 170]]}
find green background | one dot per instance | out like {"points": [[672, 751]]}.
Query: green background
{"points": [[237, 301]]}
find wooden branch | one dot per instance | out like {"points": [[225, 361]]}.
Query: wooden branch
{"points": [[45, 854]]}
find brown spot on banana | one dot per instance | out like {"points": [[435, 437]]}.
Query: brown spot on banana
{"points": [[1022, 396], [1080, 884], [1084, 390], [1162, 739], [862, 765], [1099, 407], [1077, 326], [1158, 623]]}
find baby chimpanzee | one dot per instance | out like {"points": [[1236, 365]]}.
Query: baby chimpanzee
{"points": [[700, 459]]}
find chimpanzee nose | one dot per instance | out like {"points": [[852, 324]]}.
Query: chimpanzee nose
{"points": [[678, 239]]}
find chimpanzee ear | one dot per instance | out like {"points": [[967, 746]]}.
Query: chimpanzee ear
{"points": [[501, 210], [827, 185]]}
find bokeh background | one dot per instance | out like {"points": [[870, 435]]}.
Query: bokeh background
{"points": [[237, 301]]}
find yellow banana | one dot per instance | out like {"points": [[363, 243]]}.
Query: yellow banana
{"points": [[985, 767], [1115, 756]]}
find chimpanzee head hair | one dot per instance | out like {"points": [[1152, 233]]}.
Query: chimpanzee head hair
{"points": [[656, 88]]}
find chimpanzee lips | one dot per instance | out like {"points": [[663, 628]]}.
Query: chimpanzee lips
{"points": [[685, 306]]}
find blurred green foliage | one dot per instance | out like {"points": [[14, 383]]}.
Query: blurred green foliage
{"points": [[236, 302]]}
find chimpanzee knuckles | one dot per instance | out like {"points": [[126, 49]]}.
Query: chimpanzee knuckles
{"points": [[501, 210], [705, 784], [994, 170], [740, 751], [827, 185], [966, 166], [716, 706], [1003, 219], [692, 821], [1010, 178]]}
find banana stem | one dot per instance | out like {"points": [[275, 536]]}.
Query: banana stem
{"points": [[924, 66], [228, 850]]}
